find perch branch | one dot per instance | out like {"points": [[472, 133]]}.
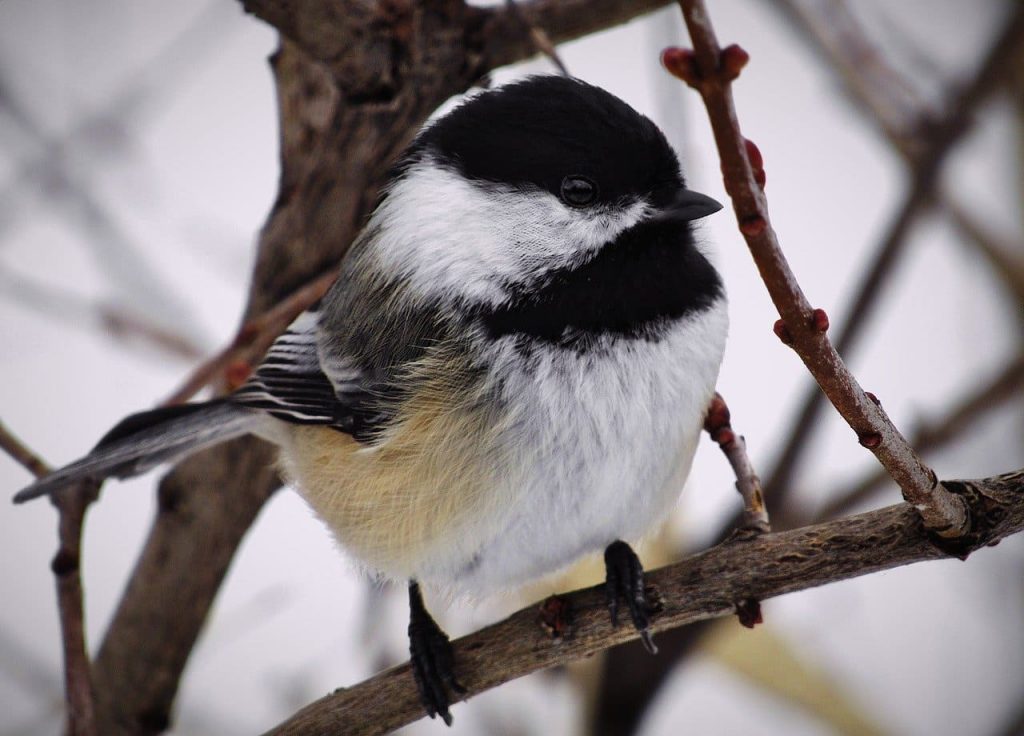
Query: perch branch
{"points": [[711, 71], [66, 566], [623, 699], [704, 586]]}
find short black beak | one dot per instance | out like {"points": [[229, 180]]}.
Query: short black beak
{"points": [[687, 205]]}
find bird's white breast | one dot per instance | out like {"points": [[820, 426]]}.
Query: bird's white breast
{"points": [[601, 443]]}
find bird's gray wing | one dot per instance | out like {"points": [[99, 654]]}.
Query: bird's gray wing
{"points": [[290, 384], [342, 365]]}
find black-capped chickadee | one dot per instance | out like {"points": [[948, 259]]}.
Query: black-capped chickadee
{"points": [[511, 371]]}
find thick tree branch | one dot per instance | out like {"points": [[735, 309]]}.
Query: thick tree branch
{"points": [[356, 40], [704, 586]]}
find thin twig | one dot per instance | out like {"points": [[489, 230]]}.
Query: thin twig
{"points": [[66, 566], [235, 362], [711, 71], [734, 447], [704, 586], [22, 454], [539, 37]]}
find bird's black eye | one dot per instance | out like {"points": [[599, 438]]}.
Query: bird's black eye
{"points": [[578, 191]]}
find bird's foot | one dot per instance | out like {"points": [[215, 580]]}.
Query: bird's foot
{"points": [[624, 578], [433, 664]]}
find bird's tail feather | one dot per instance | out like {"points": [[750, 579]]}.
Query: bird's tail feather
{"points": [[144, 440]]}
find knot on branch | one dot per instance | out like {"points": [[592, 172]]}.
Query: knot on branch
{"points": [[984, 514], [64, 563], [555, 617]]}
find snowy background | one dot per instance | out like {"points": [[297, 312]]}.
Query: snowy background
{"points": [[137, 162]]}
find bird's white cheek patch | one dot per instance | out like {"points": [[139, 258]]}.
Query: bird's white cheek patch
{"points": [[451, 237]]}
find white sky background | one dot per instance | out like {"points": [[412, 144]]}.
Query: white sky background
{"points": [[162, 118]]}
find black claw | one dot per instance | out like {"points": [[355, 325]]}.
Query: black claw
{"points": [[624, 578], [433, 664]]}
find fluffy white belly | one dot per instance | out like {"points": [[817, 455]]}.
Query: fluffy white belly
{"points": [[600, 447]]}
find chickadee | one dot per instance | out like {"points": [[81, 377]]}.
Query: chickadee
{"points": [[511, 371]]}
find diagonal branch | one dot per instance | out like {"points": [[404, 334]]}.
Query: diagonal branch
{"points": [[931, 436], [710, 71], [232, 365], [925, 148], [704, 586]]}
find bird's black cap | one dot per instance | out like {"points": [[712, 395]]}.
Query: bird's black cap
{"points": [[544, 128]]}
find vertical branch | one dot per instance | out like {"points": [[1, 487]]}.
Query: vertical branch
{"points": [[71, 507], [66, 566], [718, 425]]}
